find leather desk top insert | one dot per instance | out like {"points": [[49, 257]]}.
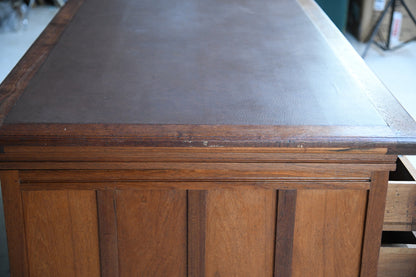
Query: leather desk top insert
{"points": [[196, 138], [260, 67]]}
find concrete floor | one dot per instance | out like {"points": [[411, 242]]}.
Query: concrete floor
{"points": [[396, 69]]}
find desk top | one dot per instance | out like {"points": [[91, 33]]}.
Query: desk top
{"points": [[263, 72]]}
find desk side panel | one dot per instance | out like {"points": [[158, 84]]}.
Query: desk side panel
{"points": [[328, 232], [151, 230], [62, 233]]}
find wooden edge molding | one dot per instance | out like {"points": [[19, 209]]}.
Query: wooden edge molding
{"points": [[15, 83], [122, 154], [126, 150], [200, 185], [240, 166], [196, 175], [398, 119], [207, 136], [285, 226]]}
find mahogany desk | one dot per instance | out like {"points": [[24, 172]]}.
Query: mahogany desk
{"points": [[199, 138]]}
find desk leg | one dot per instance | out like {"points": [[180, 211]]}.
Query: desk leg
{"points": [[13, 215]]}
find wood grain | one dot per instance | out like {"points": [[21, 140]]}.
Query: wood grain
{"points": [[328, 233], [240, 232], [204, 185], [83, 216], [188, 154], [387, 105], [374, 223], [107, 222], [409, 163], [209, 136], [197, 224], [14, 220], [152, 232], [14, 84], [395, 261], [287, 172], [308, 168], [285, 225], [400, 212], [62, 233]]}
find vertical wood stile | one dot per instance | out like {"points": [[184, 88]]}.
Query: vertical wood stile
{"points": [[107, 233], [14, 219], [285, 225], [374, 223], [197, 201]]}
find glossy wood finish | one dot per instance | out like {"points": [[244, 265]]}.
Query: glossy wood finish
{"points": [[61, 233]]}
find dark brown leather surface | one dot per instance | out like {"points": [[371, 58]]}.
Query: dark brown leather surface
{"points": [[194, 62]]}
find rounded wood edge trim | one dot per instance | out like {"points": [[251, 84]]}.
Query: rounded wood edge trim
{"points": [[205, 136], [393, 113], [16, 81]]}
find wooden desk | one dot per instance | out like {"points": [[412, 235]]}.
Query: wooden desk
{"points": [[199, 138]]}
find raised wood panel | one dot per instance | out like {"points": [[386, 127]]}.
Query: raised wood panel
{"points": [[240, 232], [62, 233], [400, 213], [152, 232], [328, 233]]}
